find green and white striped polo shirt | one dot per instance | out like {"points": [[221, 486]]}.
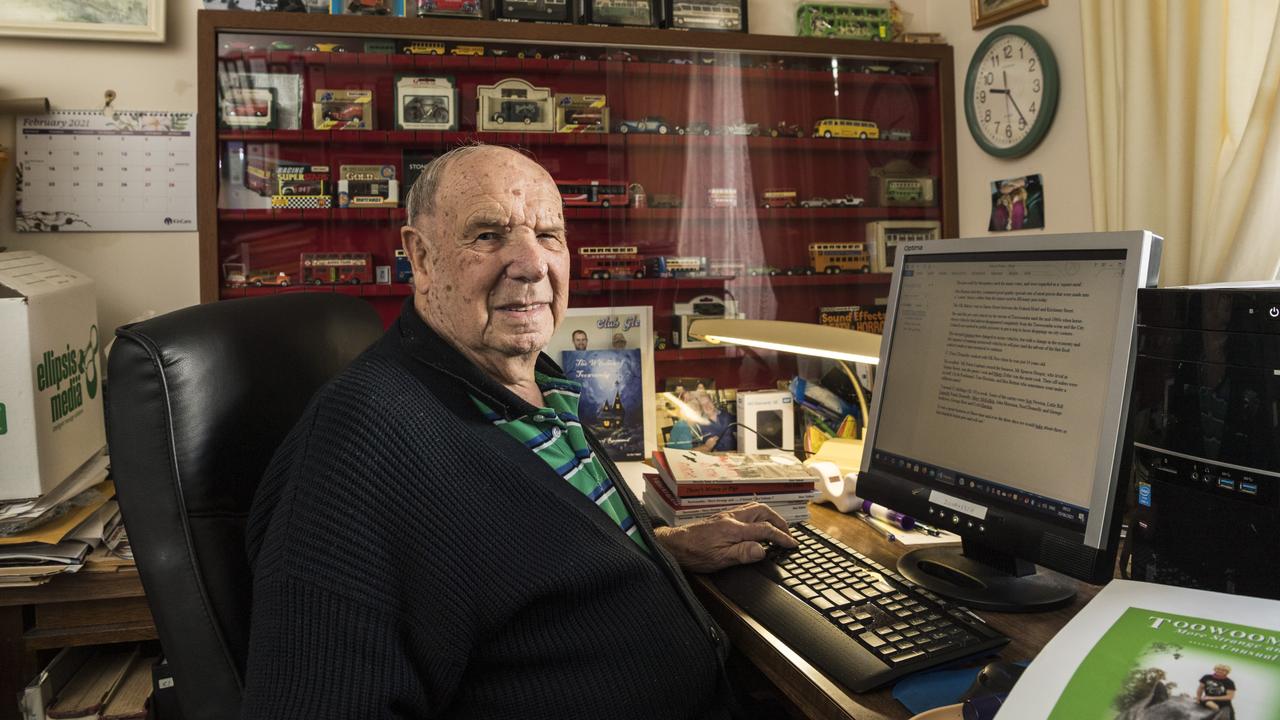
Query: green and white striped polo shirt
{"points": [[554, 434]]}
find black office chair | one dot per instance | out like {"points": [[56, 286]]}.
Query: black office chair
{"points": [[197, 401]]}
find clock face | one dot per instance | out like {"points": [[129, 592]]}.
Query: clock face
{"points": [[1011, 91]]}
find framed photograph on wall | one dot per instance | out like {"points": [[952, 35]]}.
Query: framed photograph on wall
{"points": [[123, 20], [990, 12]]}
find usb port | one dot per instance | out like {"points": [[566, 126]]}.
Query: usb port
{"points": [[1248, 488], [1226, 483]]}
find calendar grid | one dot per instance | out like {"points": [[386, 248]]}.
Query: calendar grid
{"points": [[82, 171]]}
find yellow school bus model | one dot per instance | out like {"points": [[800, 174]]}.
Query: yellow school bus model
{"points": [[842, 128]]}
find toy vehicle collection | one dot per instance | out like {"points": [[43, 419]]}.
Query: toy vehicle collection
{"points": [[650, 124], [694, 128]]}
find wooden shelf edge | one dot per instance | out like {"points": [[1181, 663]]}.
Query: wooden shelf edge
{"points": [[91, 635]]}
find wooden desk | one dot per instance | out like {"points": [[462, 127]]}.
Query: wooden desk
{"points": [[820, 697], [71, 610]]}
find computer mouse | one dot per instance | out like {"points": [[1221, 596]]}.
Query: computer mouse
{"points": [[996, 678]]}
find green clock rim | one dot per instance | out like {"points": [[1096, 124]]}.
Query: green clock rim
{"points": [[1047, 110]]}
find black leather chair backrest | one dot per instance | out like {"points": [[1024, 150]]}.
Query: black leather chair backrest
{"points": [[197, 401]]}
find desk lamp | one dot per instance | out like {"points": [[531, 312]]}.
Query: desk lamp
{"points": [[806, 339]]}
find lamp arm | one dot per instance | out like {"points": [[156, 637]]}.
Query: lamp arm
{"points": [[862, 400]]}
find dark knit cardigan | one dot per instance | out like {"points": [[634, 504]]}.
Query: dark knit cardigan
{"points": [[412, 560]]}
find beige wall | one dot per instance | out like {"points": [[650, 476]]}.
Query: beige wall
{"points": [[1062, 159], [137, 272], [134, 272]]}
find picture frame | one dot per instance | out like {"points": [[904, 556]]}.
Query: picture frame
{"points": [[990, 12], [122, 21]]}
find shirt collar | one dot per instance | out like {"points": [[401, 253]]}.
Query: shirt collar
{"points": [[425, 345]]}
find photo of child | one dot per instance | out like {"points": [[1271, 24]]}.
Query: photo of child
{"points": [[1017, 204]]}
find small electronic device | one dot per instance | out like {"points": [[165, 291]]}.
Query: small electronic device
{"points": [[642, 13], [884, 236], [998, 355], [514, 105], [730, 15], [342, 110], [426, 103], [766, 421], [1204, 506]]}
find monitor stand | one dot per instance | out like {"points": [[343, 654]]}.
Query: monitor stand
{"points": [[986, 579]]}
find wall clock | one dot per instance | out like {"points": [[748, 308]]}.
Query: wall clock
{"points": [[1011, 91]]}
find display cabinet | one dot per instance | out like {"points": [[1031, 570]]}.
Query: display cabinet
{"points": [[768, 172]]}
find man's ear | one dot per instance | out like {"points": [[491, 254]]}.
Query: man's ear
{"points": [[415, 246]]}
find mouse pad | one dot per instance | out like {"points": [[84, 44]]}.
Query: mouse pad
{"points": [[928, 690]]}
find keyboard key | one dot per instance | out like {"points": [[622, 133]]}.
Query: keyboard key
{"points": [[904, 656], [872, 640], [834, 597]]}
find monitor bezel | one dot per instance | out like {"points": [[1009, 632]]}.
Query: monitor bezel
{"points": [[1142, 246]]}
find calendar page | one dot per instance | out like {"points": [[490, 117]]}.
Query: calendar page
{"points": [[81, 171]]}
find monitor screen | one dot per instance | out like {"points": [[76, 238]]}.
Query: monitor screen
{"points": [[999, 405]]}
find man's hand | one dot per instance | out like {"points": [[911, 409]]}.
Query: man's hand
{"points": [[732, 537]]}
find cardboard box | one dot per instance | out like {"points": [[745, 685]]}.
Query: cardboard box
{"points": [[766, 421], [50, 375]]}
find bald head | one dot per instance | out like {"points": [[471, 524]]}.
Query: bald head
{"points": [[424, 193]]}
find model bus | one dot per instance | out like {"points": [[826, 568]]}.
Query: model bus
{"points": [[676, 266], [334, 268], [602, 263], [593, 193], [839, 257], [706, 16]]}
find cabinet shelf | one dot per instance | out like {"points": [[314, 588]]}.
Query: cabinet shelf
{"points": [[674, 355], [620, 214], [619, 141]]}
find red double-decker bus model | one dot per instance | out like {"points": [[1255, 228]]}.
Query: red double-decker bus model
{"points": [[336, 268], [603, 263], [594, 193]]}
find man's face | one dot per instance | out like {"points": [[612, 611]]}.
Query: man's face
{"points": [[491, 267], [579, 340]]}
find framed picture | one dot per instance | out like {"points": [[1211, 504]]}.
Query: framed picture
{"points": [[123, 20], [1017, 204], [990, 12]]}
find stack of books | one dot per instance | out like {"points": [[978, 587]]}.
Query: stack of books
{"points": [[691, 485], [108, 682]]}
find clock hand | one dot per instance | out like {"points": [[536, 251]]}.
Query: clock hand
{"points": [[1010, 97]]}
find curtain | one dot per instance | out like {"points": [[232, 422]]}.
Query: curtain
{"points": [[1184, 130]]}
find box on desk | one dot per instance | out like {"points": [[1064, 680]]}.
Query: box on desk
{"points": [[50, 383]]}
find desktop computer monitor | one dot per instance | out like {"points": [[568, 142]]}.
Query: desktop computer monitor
{"points": [[1000, 409]]}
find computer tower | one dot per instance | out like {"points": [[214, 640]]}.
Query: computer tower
{"points": [[1204, 500]]}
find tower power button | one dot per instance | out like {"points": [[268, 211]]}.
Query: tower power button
{"points": [[1274, 311]]}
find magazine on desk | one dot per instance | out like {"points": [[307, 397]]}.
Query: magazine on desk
{"points": [[1141, 651]]}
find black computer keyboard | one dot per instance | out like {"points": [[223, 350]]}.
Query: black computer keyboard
{"points": [[857, 621]]}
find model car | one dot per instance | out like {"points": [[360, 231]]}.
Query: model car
{"points": [[778, 197], [816, 202], [694, 128], [741, 128], [649, 124], [344, 113], [467, 50], [368, 7], [570, 55], [283, 45], [326, 47], [424, 48], [777, 64], [246, 108], [304, 187], [523, 111], [798, 271], [237, 46], [847, 201], [664, 200], [680, 61], [460, 7], [380, 47], [233, 275], [530, 53], [618, 56], [760, 270], [874, 69], [786, 129], [896, 134], [258, 279]]}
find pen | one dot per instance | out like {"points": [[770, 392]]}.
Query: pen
{"points": [[928, 529], [906, 522], [884, 531]]}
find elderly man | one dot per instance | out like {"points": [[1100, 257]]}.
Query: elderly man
{"points": [[439, 536]]}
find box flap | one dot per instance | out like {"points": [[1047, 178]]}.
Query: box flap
{"points": [[24, 273]]}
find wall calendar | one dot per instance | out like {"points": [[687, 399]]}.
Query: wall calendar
{"points": [[86, 171]]}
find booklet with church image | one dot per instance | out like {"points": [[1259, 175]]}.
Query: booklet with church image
{"points": [[1141, 650], [624, 338], [612, 402]]}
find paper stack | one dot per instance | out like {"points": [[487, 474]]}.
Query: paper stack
{"points": [[54, 534], [691, 485], [111, 682]]}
